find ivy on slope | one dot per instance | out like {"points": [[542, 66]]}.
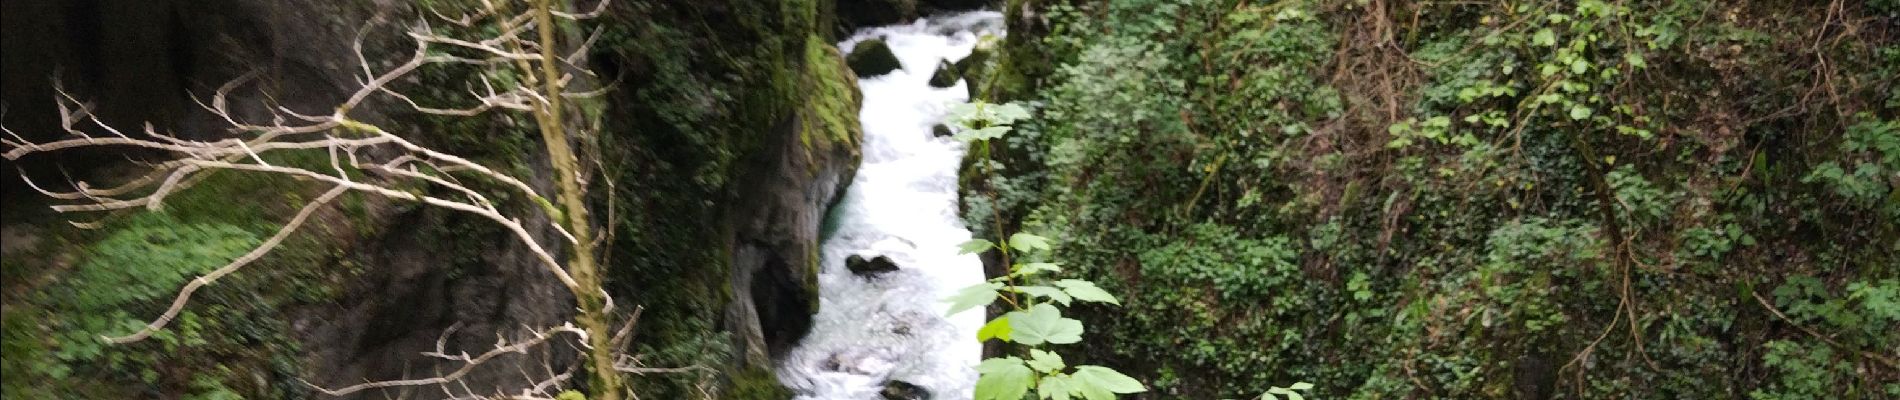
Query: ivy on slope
{"points": [[1517, 199]]}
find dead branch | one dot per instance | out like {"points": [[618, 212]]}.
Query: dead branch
{"points": [[469, 363]]}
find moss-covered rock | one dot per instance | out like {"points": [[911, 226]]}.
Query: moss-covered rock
{"points": [[872, 58]]}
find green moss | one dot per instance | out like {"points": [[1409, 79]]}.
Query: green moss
{"points": [[755, 384], [831, 108]]}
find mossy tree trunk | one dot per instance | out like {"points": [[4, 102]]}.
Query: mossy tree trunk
{"points": [[603, 380]]}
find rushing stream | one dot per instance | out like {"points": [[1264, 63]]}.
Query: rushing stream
{"points": [[876, 329]]}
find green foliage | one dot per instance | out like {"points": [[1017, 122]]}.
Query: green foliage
{"points": [[1029, 324], [1466, 199]]}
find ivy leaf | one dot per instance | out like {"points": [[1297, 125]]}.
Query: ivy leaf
{"points": [[1086, 291], [1579, 112], [1027, 242], [977, 295], [974, 246], [1003, 379], [997, 328], [1544, 37], [1043, 324], [1049, 292], [1045, 361], [1102, 383]]}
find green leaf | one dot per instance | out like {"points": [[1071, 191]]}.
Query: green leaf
{"points": [[1635, 60], [985, 133], [1056, 387], [1026, 242], [974, 296], [975, 246], [1579, 112], [1301, 386], [1290, 395], [1102, 383], [1086, 291], [1003, 379], [1048, 292], [1043, 324], [997, 329], [1008, 113], [1045, 361], [1544, 37], [1035, 267]]}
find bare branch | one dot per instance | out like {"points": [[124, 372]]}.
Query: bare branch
{"points": [[468, 363]]}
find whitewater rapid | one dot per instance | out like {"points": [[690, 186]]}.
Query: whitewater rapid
{"points": [[902, 204]]}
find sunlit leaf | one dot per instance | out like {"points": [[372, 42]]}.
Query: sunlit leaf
{"points": [[1086, 291], [1043, 323], [996, 329], [1047, 292], [1036, 267], [1003, 379], [975, 246], [1056, 387], [1045, 361], [974, 296], [1102, 383], [1028, 242]]}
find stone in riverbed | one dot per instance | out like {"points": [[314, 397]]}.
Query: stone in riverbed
{"points": [[872, 267], [901, 390], [946, 75], [872, 58]]}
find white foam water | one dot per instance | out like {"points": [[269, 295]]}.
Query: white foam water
{"points": [[902, 204]]}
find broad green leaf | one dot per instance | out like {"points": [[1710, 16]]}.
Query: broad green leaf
{"points": [[1035, 267], [986, 133], [997, 328], [1301, 386], [1043, 324], [1056, 386], [1027, 242], [975, 246], [1009, 112], [1048, 292], [1086, 291], [1003, 379], [1102, 383], [1045, 361], [974, 296]]}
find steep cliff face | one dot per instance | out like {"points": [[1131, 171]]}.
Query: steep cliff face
{"points": [[719, 162], [741, 123]]}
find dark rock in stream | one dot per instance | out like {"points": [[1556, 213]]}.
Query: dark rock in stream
{"points": [[901, 390], [875, 266], [872, 58], [946, 75], [941, 130]]}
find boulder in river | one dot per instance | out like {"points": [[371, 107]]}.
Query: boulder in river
{"points": [[874, 266], [901, 390], [872, 58], [946, 75], [941, 130]]}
